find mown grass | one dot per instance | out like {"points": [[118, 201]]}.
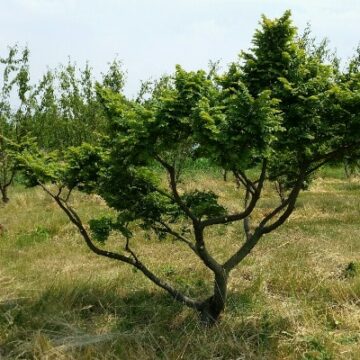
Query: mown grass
{"points": [[295, 297]]}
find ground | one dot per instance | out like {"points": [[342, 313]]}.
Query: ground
{"points": [[297, 296]]}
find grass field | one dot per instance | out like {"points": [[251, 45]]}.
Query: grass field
{"points": [[297, 296]]}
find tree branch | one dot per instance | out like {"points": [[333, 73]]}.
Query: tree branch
{"points": [[134, 261], [200, 247], [246, 220], [173, 185], [241, 176], [239, 179], [170, 231], [242, 215], [288, 205]]}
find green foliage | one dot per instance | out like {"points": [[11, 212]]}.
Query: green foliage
{"points": [[77, 167], [40, 167], [114, 79], [314, 100], [273, 53], [204, 204], [15, 80], [101, 228], [65, 108], [282, 104], [83, 166]]}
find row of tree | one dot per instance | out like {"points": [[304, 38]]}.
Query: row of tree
{"points": [[59, 111], [277, 115]]}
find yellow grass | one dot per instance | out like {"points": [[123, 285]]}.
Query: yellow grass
{"points": [[292, 298]]}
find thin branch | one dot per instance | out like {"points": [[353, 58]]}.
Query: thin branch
{"points": [[310, 171], [242, 215], [325, 158], [127, 248], [70, 190], [164, 193], [173, 185], [170, 231], [330, 155], [46, 189], [60, 191], [239, 179], [280, 191], [246, 221], [289, 204], [74, 218], [248, 183]]}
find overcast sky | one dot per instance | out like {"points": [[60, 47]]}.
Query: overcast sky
{"points": [[151, 36]]}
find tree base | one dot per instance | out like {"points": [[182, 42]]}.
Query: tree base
{"points": [[211, 311]]}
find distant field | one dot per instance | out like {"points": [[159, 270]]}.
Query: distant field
{"points": [[297, 296]]}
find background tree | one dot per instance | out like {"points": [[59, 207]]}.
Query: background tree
{"points": [[14, 112], [279, 115], [351, 159], [65, 109]]}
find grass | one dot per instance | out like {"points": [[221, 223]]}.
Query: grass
{"points": [[295, 297]]}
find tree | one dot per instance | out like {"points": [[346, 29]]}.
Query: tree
{"points": [[13, 112], [65, 110], [282, 113], [351, 160]]}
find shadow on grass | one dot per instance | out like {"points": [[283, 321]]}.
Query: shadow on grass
{"points": [[72, 310], [105, 317]]}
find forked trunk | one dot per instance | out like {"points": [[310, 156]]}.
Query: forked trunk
{"points": [[213, 307]]}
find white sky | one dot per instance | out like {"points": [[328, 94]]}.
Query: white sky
{"points": [[151, 36]]}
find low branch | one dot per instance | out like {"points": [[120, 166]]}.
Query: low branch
{"points": [[134, 261]]}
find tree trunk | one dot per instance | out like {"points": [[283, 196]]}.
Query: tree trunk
{"points": [[225, 175], [212, 307], [4, 196]]}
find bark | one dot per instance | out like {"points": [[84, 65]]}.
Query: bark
{"points": [[213, 307], [4, 197]]}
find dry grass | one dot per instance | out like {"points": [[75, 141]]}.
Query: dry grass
{"points": [[291, 299]]}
